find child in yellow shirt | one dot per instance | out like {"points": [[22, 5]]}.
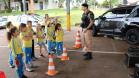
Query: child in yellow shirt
{"points": [[40, 38], [15, 45], [50, 35], [27, 46], [59, 33], [31, 31], [11, 62]]}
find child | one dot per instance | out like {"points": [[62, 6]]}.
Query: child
{"points": [[53, 30], [50, 38], [26, 38], [16, 48], [59, 33], [11, 63], [40, 38], [29, 26]]}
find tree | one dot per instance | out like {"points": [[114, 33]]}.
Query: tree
{"points": [[105, 4], [7, 3], [110, 3]]}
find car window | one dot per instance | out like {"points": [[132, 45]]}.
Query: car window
{"points": [[118, 13], [122, 11], [135, 13]]}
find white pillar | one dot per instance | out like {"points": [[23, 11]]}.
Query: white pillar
{"points": [[50, 4]]}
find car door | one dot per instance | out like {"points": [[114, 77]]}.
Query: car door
{"points": [[104, 24]]}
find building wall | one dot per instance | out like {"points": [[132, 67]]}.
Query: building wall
{"points": [[37, 6]]}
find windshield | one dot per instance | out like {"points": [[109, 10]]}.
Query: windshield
{"points": [[117, 13]]}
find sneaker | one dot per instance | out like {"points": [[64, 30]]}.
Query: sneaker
{"points": [[29, 70], [88, 56], [12, 66]]}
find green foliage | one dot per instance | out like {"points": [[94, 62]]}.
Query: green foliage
{"points": [[107, 3], [8, 10]]}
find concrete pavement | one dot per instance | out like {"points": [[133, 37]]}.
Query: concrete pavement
{"points": [[108, 60]]}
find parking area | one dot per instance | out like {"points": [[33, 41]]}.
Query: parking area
{"points": [[108, 60]]}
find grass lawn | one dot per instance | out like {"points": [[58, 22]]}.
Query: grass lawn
{"points": [[75, 14]]}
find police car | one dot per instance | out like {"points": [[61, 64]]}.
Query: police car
{"points": [[121, 21], [35, 18], [3, 21]]}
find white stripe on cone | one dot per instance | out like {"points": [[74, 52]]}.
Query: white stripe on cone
{"points": [[50, 60], [77, 42], [51, 67], [64, 49], [78, 38], [64, 54]]}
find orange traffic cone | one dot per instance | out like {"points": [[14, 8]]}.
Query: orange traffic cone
{"points": [[64, 55], [78, 41], [51, 67], [2, 74]]}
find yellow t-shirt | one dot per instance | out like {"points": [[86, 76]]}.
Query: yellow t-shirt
{"points": [[26, 43], [15, 45], [59, 35], [30, 30], [50, 33], [40, 34]]}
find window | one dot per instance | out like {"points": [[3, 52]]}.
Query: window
{"points": [[135, 13]]}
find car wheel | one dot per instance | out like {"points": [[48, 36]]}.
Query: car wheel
{"points": [[132, 36], [95, 31]]}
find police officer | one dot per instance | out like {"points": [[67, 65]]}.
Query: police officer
{"points": [[87, 27]]}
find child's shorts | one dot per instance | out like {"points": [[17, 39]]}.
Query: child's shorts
{"points": [[50, 46], [41, 43]]}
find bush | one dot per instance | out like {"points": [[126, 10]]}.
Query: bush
{"points": [[8, 10], [2, 11]]}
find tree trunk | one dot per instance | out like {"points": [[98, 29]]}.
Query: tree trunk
{"points": [[9, 4], [6, 6]]}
